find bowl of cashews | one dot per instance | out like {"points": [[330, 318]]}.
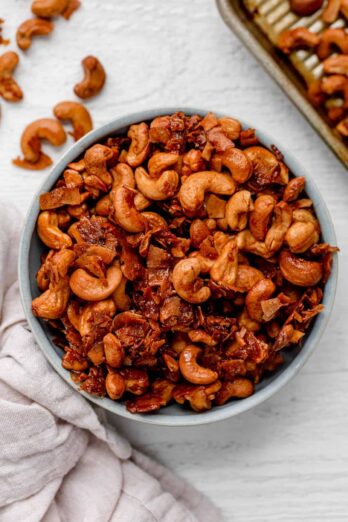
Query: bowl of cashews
{"points": [[177, 267]]}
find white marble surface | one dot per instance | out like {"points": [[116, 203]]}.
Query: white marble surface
{"points": [[287, 460]]}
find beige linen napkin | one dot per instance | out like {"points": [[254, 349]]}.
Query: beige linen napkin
{"points": [[58, 462]]}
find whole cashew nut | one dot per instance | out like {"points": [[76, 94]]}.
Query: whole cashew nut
{"points": [[122, 175], [297, 38], [238, 164], [261, 291], [247, 243], [90, 288], [52, 303], [237, 210], [265, 164], [231, 127], [115, 385], [160, 162], [30, 28], [9, 88], [282, 221], [301, 236], [44, 129], [298, 271], [225, 267], [94, 79], [96, 159], [186, 282], [191, 370], [140, 144], [120, 297], [157, 189], [331, 38], [294, 188], [337, 64], [126, 213], [49, 232], [192, 192], [78, 115], [260, 216], [247, 277], [48, 8], [239, 388]]}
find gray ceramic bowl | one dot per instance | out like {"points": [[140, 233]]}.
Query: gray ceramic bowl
{"points": [[29, 262]]}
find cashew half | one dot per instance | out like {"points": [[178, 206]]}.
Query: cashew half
{"points": [[157, 189], [237, 210], [247, 277], [48, 8], [261, 291], [160, 162], [78, 115], [140, 144], [94, 79], [282, 221], [265, 164], [114, 352], [49, 232], [192, 192], [299, 271], [301, 236], [186, 282], [126, 214], [122, 175], [44, 129], [238, 164], [297, 38], [52, 303], [96, 160], [30, 28], [191, 370], [260, 216], [92, 288], [9, 88], [225, 267]]}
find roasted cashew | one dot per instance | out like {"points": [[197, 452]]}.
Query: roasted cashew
{"points": [[140, 144], [122, 175], [225, 267], [304, 216], [260, 216], [191, 370], [297, 38], [30, 28], [231, 127], [238, 164], [332, 9], [120, 297], [48, 8], [115, 385], [247, 243], [186, 282], [305, 7], [154, 220], [237, 210], [52, 303], [332, 37], [294, 188], [160, 162], [90, 288], [114, 352], [337, 64], [336, 83], [49, 232], [342, 127], [94, 79], [44, 129], [160, 130], [244, 320], [72, 6], [157, 189], [193, 162], [298, 271], [126, 214], [78, 115], [282, 221], [238, 388], [55, 266], [9, 88], [198, 232], [206, 262], [261, 291], [84, 320], [192, 192], [265, 164], [247, 277], [96, 160], [301, 236]]}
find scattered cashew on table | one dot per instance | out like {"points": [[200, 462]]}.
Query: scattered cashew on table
{"points": [[179, 263]]}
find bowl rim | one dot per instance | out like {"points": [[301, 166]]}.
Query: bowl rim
{"points": [[217, 413]]}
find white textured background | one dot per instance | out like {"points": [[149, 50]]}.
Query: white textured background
{"points": [[287, 460]]}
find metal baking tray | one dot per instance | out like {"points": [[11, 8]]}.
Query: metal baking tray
{"points": [[243, 24]]}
